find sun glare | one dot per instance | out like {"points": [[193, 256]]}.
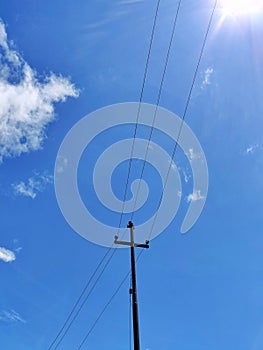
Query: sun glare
{"points": [[235, 8]]}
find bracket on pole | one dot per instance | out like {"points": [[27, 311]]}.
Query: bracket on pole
{"points": [[131, 243]]}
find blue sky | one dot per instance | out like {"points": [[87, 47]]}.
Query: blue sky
{"points": [[61, 60]]}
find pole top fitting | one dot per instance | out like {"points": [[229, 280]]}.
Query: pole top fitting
{"points": [[130, 224]]}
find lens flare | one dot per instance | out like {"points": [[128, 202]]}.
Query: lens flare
{"points": [[236, 8]]}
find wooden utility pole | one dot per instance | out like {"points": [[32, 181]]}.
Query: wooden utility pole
{"points": [[133, 290]]}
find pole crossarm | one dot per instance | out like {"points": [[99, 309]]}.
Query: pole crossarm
{"points": [[146, 245], [131, 243]]}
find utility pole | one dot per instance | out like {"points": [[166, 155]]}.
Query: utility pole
{"points": [[133, 290]]}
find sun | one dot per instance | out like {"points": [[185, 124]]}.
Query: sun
{"points": [[236, 8]]}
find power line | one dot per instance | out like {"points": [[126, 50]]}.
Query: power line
{"points": [[185, 110], [86, 299], [129, 169], [125, 195], [107, 304], [138, 112], [157, 103], [103, 310], [174, 150], [78, 300]]}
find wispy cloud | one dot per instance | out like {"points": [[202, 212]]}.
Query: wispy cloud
{"points": [[102, 27], [207, 77], [17, 247], [10, 316], [251, 149], [184, 172], [27, 101], [128, 2], [33, 185], [186, 176], [7, 255], [192, 155], [195, 196], [61, 164]]}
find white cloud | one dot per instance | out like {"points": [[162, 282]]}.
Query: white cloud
{"points": [[18, 249], [7, 255], [33, 186], [11, 316], [251, 149], [195, 196], [173, 166], [192, 155], [61, 165], [27, 101], [207, 81], [186, 176]]}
